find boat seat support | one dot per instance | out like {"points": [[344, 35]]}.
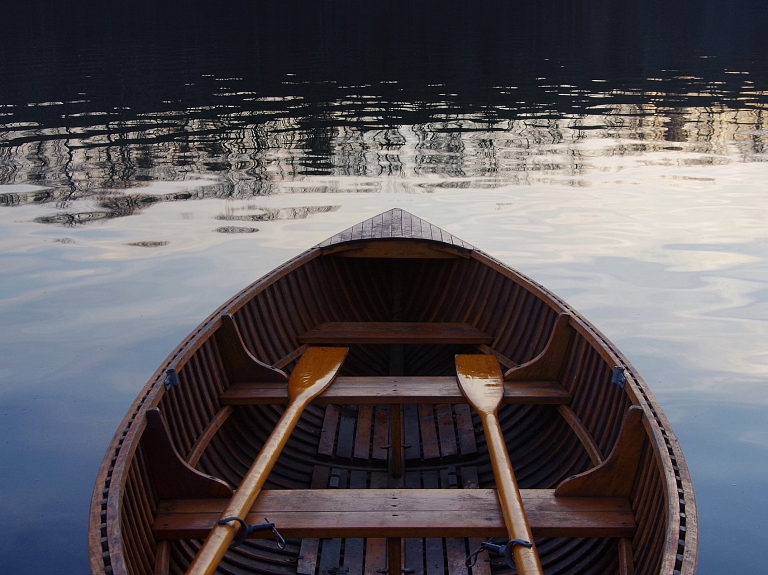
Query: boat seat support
{"points": [[173, 478], [615, 476], [547, 365], [239, 363]]}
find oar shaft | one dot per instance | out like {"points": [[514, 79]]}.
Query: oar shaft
{"points": [[312, 374], [480, 380], [526, 559], [218, 540]]}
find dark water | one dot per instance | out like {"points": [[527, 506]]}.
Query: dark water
{"points": [[155, 157], [100, 97]]}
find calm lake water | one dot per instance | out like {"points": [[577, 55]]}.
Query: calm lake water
{"points": [[155, 158]]}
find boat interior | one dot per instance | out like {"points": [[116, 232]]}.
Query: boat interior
{"points": [[391, 462]]}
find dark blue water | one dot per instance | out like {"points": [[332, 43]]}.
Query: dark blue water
{"points": [[120, 90], [155, 157]]}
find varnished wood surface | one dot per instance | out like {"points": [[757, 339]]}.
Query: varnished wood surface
{"points": [[163, 559], [615, 476], [395, 389], [392, 248], [582, 433], [395, 223], [626, 562], [547, 365], [210, 432], [314, 372], [403, 512], [482, 382], [173, 476], [313, 288], [238, 362], [393, 332]]}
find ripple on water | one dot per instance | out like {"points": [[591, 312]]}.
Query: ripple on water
{"points": [[236, 230], [148, 244]]}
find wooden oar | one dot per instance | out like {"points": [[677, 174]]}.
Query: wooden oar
{"points": [[313, 373], [482, 383]]}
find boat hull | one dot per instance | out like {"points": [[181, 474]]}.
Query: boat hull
{"points": [[421, 297]]}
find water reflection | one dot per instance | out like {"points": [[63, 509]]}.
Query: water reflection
{"points": [[116, 205], [148, 244], [236, 230], [257, 159], [272, 214]]}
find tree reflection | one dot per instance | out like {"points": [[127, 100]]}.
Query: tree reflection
{"points": [[251, 160]]}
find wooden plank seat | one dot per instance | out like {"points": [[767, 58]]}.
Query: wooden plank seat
{"points": [[359, 513], [394, 332], [432, 555], [368, 556], [323, 555], [362, 432], [395, 389]]}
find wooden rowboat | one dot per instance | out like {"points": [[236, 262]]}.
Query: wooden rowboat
{"points": [[394, 456]]}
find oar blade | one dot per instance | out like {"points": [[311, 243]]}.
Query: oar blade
{"points": [[482, 383], [480, 380], [313, 373], [315, 370]]}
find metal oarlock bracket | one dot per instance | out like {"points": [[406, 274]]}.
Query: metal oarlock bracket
{"points": [[246, 529], [505, 550], [619, 377], [171, 378]]}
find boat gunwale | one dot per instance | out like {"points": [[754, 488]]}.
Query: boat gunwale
{"points": [[125, 441], [660, 430], [659, 427], [123, 445]]}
